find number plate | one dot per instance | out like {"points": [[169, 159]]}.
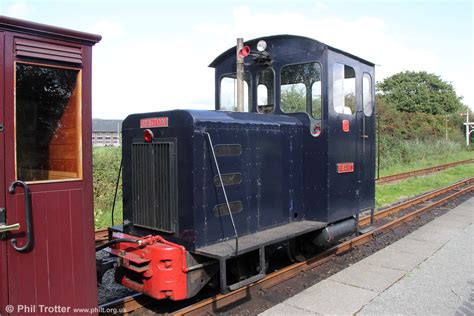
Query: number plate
{"points": [[154, 122], [345, 167]]}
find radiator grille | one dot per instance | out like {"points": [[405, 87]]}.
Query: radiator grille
{"points": [[155, 185]]}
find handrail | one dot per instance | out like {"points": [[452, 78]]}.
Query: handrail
{"points": [[223, 190], [29, 232]]}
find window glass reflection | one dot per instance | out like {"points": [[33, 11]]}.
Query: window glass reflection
{"points": [[301, 89], [344, 89], [228, 93], [48, 131], [367, 95]]}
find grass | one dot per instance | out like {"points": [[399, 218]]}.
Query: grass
{"points": [[426, 163], [390, 193]]}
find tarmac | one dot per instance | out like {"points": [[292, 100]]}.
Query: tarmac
{"points": [[428, 272]]}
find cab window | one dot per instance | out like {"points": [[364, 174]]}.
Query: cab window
{"points": [[228, 92], [301, 89], [367, 99], [265, 91], [344, 94]]}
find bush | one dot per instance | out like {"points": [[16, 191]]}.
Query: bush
{"points": [[409, 137], [106, 163]]}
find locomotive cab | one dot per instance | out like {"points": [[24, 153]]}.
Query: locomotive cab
{"points": [[213, 196], [332, 93]]}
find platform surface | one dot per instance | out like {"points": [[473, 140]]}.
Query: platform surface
{"points": [[428, 272]]}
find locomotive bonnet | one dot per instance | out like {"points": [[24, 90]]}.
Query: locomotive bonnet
{"points": [[210, 197]]}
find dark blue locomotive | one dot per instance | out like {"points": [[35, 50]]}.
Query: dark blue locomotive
{"points": [[210, 196]]}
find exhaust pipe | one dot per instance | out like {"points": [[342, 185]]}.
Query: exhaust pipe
{"points": [[240, 76], [335, 232]]}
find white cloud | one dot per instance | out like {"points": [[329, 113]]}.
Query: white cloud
{"points": [[156, 74], [18, 10], [320, 6], [108, 29], [365, 37], [149, 75]]}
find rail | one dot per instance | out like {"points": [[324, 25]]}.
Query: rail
{"points": [[419, 172]]}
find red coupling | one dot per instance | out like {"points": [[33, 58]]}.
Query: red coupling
{"points": [[155, 267]]}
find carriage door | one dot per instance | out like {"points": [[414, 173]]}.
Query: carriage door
{"points": [[47, 180], [3, 244]]}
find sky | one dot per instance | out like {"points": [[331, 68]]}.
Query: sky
{"points": [[154, 55]]}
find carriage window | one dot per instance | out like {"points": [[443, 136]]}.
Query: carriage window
{"points": [[228, 95], [344, 96], [265, 91], [367, 94], [48, 130], [301, 89]]}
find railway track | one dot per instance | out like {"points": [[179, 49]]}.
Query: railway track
{"points": [[383, 218], [419, 172]]}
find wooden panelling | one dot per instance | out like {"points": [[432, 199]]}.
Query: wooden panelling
{"points": [[49, 51], [58, 250]]}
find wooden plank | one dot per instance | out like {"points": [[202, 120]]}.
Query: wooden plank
{"points": [[51, 57], [40, 231], [53, 213], [44, 50]]}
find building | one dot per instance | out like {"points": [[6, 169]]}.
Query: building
{"points": [[106, 133]]}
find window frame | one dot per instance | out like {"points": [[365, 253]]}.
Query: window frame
{"points": [[79, 136], [310, 115]]}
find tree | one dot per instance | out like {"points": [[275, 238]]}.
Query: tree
{"points": [[412, 91]]}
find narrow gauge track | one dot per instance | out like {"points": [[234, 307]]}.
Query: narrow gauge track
{"points": [[419, 172], [438, 197]]}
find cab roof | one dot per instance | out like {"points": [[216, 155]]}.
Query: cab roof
{"points": [[309, 43]]}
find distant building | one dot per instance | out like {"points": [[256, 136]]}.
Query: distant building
{"points": [[106, 133]]}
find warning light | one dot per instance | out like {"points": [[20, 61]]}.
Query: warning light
{"points": [[316, 131], [261, 45], [244, 52], [148, 136], [345, 126]]}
